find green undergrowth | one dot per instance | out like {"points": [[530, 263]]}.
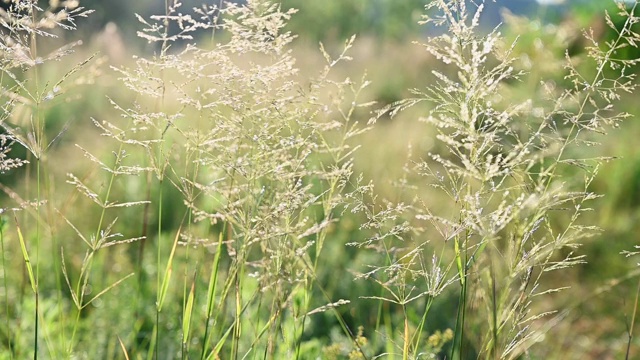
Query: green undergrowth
{"points": [[238, 195]]}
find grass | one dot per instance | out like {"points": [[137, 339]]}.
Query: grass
{"points": [[238, 203]]}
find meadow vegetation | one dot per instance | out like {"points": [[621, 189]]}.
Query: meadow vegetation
{"points": [[234, 194]]}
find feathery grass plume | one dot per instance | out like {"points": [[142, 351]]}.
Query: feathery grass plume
{"points": [[26, 96], [260, 160], [7, 163], [24, 26], [225, 180], [504, 168]]}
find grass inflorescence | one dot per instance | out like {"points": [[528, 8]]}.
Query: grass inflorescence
{"points": [[209, 214]]}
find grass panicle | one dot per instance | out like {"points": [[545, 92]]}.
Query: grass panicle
{"points": [[502, 167], [216, 206]]}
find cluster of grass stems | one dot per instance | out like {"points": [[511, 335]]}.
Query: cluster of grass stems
{"points": [[221, 181]]}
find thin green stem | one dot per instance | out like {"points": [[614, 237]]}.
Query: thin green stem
{"points": [[39, 136], [211, 292], [633, 321], [87, 265], [159, 273], [237, 329], [418, 334], [6, 289]]}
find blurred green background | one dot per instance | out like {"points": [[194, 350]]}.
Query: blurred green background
{"points": [[601, 303]]}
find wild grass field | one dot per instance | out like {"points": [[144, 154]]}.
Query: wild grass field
{"points": [[232, 190]]}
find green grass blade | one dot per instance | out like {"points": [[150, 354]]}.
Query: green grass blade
{"points": [[107, 289], [211, 292], [25, 257], [186, 319], [124, 349], [459, 262], [167, 273], [218, 347]]}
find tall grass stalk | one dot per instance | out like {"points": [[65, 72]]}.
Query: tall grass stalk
{"points": [[4, 280], [234, 170], [269, 164], [25, 25], [503, 167]]}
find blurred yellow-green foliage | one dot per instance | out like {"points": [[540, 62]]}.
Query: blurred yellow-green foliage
{"points": [[600, 303]]}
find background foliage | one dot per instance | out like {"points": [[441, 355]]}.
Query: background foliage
{"points": [[597, 310]]}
